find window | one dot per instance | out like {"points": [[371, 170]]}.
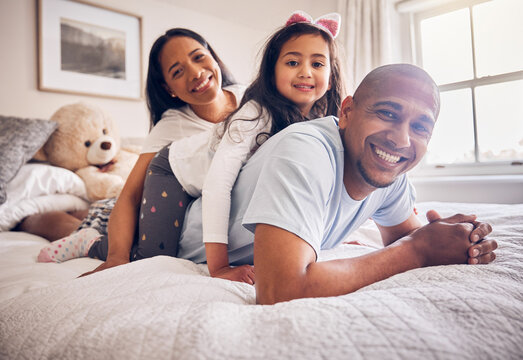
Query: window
{"points": [[474, 51]]}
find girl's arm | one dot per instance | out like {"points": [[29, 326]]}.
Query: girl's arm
{"points": [[218, 263], [233, 151], [123, 218]]}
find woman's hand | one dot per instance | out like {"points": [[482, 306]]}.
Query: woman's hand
{"points": [[109, 263], [243, 273]]}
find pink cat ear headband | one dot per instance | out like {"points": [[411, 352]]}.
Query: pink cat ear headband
{"points": [[330, 22]]}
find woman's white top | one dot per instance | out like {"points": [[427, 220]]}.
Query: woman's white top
{"points": [[208, 163], [180, 123]]}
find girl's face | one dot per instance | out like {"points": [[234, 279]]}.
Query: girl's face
{"points": [[190, 72], [303, 70]]}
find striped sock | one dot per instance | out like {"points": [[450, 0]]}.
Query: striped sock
{"points": [[70, 247]]}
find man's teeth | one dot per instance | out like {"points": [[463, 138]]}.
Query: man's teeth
{"points": [[387, 157], [201, 85]]}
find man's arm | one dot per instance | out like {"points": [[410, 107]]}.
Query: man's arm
{"points": [[480, 230], [286, 266], [389, 234]]}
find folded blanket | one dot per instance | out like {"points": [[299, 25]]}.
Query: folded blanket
{"points": [[39, 188]]}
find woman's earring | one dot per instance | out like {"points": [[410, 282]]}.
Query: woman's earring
{"points": [[173, 95]]}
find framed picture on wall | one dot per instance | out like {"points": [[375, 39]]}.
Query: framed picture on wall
{"points": [[87, 49]]}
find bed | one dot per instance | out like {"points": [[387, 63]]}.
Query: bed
{"points": [[168, 308]]}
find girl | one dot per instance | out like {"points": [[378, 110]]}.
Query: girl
{"points": [[299, 78]]}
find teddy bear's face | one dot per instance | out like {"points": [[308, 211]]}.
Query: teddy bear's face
{"points": [[85, 136], [102, 151]]}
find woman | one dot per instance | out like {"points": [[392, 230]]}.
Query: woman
{"points": [[188, 91]]}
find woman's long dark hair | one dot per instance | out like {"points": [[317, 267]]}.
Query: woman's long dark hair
{"points": [[263, 90], [158, 99]]}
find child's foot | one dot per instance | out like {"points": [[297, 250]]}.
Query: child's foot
{"points": [[70, 247]]}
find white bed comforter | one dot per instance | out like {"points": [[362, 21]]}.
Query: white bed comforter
{"points": [[39, 188], [166, 308]]}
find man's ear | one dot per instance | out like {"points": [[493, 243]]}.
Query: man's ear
{"points": [[346, 106]]}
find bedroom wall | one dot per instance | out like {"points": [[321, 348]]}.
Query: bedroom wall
{"points": [[235, 28]]}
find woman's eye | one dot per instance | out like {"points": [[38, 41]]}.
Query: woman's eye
{"points": [[292, 63], [199, 57], [317, 65], [176, 73]]}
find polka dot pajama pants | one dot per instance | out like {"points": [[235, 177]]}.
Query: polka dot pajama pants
{"points": [[161, 215]]}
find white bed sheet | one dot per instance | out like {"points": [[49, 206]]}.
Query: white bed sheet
{"points": [[170, 308]]}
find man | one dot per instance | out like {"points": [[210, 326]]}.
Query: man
{"points": [[314, 183]]}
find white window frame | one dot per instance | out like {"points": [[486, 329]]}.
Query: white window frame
{"points": [[420, 10]]}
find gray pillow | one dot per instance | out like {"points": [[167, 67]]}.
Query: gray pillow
{"points": [[20, 139]]}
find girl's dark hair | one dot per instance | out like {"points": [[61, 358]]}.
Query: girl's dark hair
{"points": [[263, 89], [158, 99]]}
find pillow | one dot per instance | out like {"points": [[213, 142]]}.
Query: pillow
{"points": [[20, 139]]}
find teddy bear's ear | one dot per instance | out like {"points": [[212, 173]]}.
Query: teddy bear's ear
{"points": [[40, 155]]}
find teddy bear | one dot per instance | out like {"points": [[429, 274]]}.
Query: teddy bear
{"points": [[87, 143]]}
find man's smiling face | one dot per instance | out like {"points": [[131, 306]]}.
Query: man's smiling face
{"points": [[386, 128]]}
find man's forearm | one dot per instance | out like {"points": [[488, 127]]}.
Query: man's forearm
{"points": [[343, 276], [340, 276], [390, 234], [286, 267]]}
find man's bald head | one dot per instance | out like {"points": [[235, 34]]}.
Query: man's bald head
{"points": [[388, 74]]}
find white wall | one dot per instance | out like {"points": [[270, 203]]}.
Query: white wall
{"points": [[235, 28], [499, 189]]}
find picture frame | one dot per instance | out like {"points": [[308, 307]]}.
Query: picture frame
{"points": [[90, 50]]}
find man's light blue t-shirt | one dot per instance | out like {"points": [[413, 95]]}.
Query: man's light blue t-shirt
{"points": [[295, 182]]}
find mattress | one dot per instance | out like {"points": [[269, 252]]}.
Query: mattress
{"points": [[168, 308]]}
